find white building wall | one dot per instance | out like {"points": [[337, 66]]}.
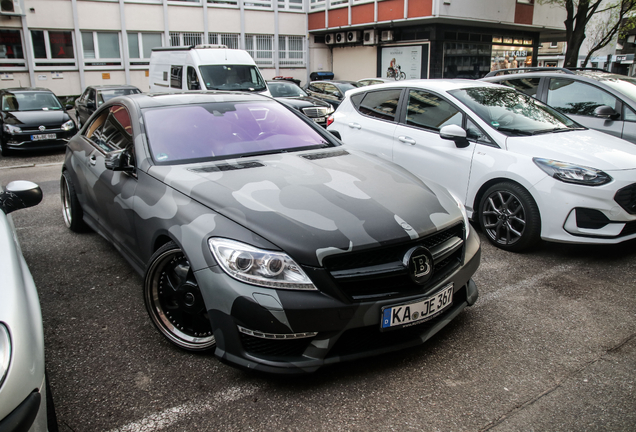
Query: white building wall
{"points": [[549, 15], [106, 78], [259, 22], [292, 23], [144, 17], [355, 63], [489, 10], [97, 15], [62, 10], [185, 19], [17, 79], [223, 20]]}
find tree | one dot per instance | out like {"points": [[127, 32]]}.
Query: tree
{"points": [[609, 16]]}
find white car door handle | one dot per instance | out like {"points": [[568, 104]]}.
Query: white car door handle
{"points": [[407, 140], [355, 125], [92, 160]]}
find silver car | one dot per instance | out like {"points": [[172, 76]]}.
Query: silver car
{"points": [[23, 389]]}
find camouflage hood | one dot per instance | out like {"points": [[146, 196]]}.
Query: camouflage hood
{"points": [[312, 204]]}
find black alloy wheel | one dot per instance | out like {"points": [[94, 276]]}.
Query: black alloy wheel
{"points": [[174, 301], [510, 217]]}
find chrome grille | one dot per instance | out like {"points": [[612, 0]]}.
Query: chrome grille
{"points": [[315, 111]]}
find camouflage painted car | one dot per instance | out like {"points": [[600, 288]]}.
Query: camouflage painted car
{"points": [[261, 236]]}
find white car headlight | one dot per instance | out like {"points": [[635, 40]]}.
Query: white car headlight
{"points": [[570, 173], [69, 125], [330, 109], [5, 352], [12, 129], [259, 267], [464, 214]]}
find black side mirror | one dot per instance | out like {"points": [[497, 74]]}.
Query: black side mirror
{"points": [[454, 133], [119, 161], [606, 112], [18, 195], [336, 134], [90, 105], [69, 107]]}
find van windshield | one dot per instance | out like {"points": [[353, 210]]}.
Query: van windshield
{"points": [[232, 77]]}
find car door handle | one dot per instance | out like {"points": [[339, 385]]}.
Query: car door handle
{"points": [[92, 160], [407, 140], [355, 126]]}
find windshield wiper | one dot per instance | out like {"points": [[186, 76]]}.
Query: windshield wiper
{"points": [[515, 131], [556, 130]]}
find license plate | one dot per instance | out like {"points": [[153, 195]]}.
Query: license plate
{"points": [[320, 119], [42, 137], [418, 311]]}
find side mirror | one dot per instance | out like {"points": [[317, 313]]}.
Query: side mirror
{"points": [[20, 194], [454, 133], [90, 105], [336, 134], [119, 161], [606, 112], [69, 107]]}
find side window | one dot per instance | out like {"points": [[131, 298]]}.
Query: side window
{"points": [[84, 95], [91, 96], [318, 88], [381, 104], [331, 90], [528, 86], [429, 111], [193, 80], [573, 97], [356, 99], [474, 133], [111, 130], [175, 76], [628, 114]]}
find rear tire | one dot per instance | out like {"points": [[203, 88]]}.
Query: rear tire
{"points": [[510, 217], [71, 209]]}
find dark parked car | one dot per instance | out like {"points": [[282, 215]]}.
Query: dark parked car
{"points": [[260, 236], [596, 99], [292, 95], [94, 96], [331, 91], [33, 119]]}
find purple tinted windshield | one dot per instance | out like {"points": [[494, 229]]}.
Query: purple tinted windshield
{"points": [[224, 130]]}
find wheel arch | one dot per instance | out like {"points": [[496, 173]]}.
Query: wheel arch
{"points": [[484, 187]]}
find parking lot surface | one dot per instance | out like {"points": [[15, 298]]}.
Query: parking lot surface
{"points": [[550, 345]]}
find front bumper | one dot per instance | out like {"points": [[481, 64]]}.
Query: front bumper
{"points": [[25, 141], [297, 332], [586, 214]]}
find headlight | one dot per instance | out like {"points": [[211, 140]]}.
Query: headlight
{"points": [[570, 173], [69, 125], [12, 129], [259, 267], [464, 214], [5, 352], [330, 109]]}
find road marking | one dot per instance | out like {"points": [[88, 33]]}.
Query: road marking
{"points": [[170, 416]]}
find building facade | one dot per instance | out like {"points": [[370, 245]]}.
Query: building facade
{"points": [[66, 45]]}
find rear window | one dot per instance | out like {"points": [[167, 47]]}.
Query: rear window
{"points": [[220, 130]]}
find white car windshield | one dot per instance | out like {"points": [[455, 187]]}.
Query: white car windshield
{"points": [[512, 112], [232, 77]]}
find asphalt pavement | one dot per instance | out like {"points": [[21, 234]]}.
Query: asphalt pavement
{"points": [[549, 346]]}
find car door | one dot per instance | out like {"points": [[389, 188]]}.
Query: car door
{"points": [[418, 147], [578, 100], [111, 198]]}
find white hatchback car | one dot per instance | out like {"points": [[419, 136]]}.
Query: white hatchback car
{"points": [[523, 170]]}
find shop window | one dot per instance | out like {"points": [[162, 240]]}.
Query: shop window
{"points": [[11, 52], [140, 46], [53, 48], [102, 47]]}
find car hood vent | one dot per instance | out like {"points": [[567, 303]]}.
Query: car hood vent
{"points": [[324, 155], [227, 167]]}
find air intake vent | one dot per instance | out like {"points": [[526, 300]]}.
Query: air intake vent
{"points": [[227, 167], [316, 156]]}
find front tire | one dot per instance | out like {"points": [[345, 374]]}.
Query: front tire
{"points": [[71, 209], [510, 217], [174, 301]]}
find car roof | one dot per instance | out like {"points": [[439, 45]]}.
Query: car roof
{"points": [[152, 100], [112, 87], [25, 89], [429, 84]]}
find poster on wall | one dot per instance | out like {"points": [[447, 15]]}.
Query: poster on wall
{"points": [[404, 62]]}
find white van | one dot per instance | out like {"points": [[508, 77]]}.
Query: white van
{"points": [[204, 67]]}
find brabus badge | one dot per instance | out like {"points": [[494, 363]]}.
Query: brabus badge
{"points": [[419, 263], [42, 128]]}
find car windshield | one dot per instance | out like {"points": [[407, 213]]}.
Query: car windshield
{"points": [[30, 101], [223, 130], [626, 86], [232, 77], [106, 95], [347, 86], [284, 89], [512, 112]]}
